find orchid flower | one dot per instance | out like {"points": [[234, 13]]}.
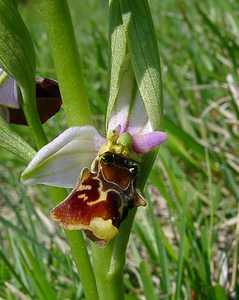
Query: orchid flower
{"points": [[8, 94], [47, 96], [102, 170]]}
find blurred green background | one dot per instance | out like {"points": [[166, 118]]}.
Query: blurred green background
{"points": [[185, 243]]}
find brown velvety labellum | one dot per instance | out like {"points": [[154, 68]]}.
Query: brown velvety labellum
{"points": [[106, 192], [48, 101]]}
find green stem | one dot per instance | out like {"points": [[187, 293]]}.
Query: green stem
{"points": [[109, 263], [66, 60], [108, 273], [83, 264], [110, 284], [79, 252], [69, 74], [32, 117]]}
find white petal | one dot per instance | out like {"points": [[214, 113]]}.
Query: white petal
{"points": [[129, 110], [8, 92], [138, 118], [60, 162], [120, 112]]}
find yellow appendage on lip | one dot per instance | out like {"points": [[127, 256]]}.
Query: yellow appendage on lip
{"points": [[103, 229]]}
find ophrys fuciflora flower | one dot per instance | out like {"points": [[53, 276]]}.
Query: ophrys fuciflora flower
{"points": [[101, 170]]}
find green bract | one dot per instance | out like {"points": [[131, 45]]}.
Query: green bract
{"points": [[132, 35], [143, 50], [117, 53]]}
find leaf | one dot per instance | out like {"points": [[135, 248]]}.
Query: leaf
{"points": [[17, 55], [149, 290], [12, 142], [117, 39], [13, 272], [130, 297], [217, 293], [39, 277], [161, 249]]}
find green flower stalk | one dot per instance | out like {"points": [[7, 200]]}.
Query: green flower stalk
{"points": [[66, 58], [130, 31]]}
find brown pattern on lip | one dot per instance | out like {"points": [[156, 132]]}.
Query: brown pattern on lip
{"points": [[121, 177], [102, 194]]}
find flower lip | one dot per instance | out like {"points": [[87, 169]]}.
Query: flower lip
{"points": [[101, 199]]}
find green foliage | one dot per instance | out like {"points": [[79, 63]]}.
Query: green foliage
{"points": [[15, 39], [185, 243], [144, 53], [11, 141], [17, 58]]}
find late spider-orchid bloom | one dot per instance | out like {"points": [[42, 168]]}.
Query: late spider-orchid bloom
{"points": [[48, 99], [102, 170], [108, 168]]}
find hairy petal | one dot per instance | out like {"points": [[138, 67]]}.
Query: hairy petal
{"points": [[145, 142], [60, 162], [8, 92]]}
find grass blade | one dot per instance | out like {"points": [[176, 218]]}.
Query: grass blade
{"points": [[146, 277], [163, 259]]}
